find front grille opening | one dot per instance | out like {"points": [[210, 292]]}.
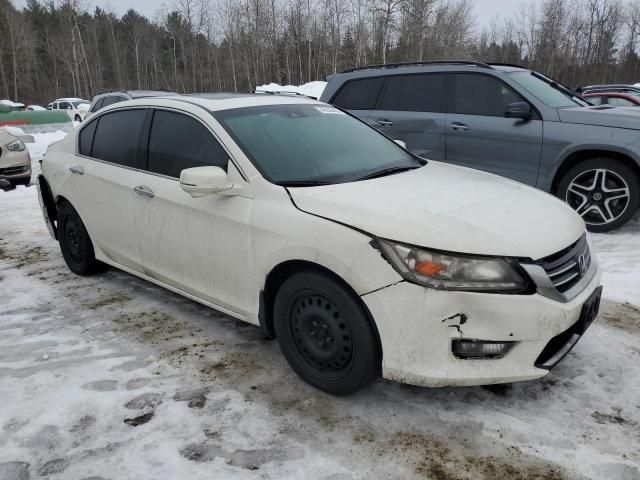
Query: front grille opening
{"points": [[13, 170]]}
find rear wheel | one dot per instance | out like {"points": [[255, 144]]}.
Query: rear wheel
{"points": [[75, 243], [325, 333], [78, 119], [604, 191]]}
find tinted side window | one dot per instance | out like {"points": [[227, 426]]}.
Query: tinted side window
{"points": [[117, 137], [86, 139], [597, 100], [98, 105], [482, 95], [64, 106], [359, 94], [177, 142], [620, 102], [414, 93]]}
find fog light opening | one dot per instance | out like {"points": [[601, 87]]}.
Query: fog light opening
{"points": [[480, 350]]}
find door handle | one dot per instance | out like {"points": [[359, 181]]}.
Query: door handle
{"points": [[459, 126], [77, 169], [144, 191], [385, 123]]}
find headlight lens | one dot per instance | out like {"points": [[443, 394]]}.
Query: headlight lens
{"points": [[453, 272], [16, 146]]}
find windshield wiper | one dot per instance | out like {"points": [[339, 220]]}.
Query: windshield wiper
{"points": [[303, 183], [387, 171]]}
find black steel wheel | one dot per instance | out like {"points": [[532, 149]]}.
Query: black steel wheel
{"points": [[325, 333], [603, 191], [75, 243]]}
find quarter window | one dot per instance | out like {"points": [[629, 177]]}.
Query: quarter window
{"points": [[177, 142], [117, 137], [359, 94], [482, 95], [86, 138]]}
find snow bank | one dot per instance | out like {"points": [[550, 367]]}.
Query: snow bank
{"points": [[9, 103], [311, 89]]}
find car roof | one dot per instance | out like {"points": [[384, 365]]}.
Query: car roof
{"points": [[422, 67], [612, 85], [220, 101], [70, 99]]}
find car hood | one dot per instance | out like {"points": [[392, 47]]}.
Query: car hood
{"points": [[449, 208], [604, 116]]}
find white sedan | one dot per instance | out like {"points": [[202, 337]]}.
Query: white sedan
{"points": [[362, 259]]}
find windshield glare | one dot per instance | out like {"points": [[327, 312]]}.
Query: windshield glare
{"points": [[544, 91], [311, 143]]}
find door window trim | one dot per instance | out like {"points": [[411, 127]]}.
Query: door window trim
{"points": [[147, 136], [452, 95], [96, 118]]}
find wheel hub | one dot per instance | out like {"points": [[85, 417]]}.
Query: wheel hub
{"points": [[600, 196], [322, 337]]}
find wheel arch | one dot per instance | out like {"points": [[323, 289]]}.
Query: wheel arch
{"points": [[280, 273], [576, 157]]}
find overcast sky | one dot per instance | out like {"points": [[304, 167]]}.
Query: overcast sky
{"points": [[485, 10]]}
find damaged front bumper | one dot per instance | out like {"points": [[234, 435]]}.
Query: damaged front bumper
{"points": [[418, 327]]}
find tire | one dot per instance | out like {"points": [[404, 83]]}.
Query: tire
{"points": [[604, 191], [325, 333], [78, 119], [75, 243]]}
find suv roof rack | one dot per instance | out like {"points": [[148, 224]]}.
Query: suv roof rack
{"points": [[282, 92], [515, 65], [415, 64]]}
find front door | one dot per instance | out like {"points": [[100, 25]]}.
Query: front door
{"points": [[479, 136], [411, 108], [201, 246]]}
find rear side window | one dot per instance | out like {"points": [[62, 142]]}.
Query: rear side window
{"points": [[117, 137], [482, 95], [86, 139], [414, 93], [177, 142], [110, 100], [98, 105], [359, 94]]}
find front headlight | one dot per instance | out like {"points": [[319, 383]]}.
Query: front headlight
{"points": [[16, 146], [446, 271]]}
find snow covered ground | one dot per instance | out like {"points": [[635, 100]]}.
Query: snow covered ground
{"points": [[109, 377]]}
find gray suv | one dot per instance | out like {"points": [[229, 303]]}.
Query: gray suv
{"points": [[509, 121]]}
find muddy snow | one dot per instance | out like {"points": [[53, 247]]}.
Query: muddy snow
{"points": [[109, 377]]}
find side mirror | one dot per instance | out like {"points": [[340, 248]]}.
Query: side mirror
{"points": [[203, 181], [519, 110], [402, 143]]}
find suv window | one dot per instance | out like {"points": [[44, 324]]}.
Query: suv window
{"points": [[414, 93], [359, 94], [118, 135], [86, 139], [111, 99], [177, 142], [620, 102], [477, 94], [64, 106]]}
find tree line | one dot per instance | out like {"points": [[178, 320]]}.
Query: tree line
{"points": [[54, 48]]}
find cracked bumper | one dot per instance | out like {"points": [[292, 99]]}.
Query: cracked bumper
{"points": [[416, 342]]}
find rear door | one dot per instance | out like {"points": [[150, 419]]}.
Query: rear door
{"points": [[479, 136], [412, 108], [359, 96], [102, 182], [200, 246]]}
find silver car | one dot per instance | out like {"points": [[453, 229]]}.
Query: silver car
{"points": [[15, 161]]}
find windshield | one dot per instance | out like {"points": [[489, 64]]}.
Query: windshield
{"points": [[76, 104], [546, 90], [312, 144]]}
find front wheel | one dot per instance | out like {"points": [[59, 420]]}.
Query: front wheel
{"points": [[325, 333], [604, 191]]}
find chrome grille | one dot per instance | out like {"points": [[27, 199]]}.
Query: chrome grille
{"points": [[567, 267]]}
